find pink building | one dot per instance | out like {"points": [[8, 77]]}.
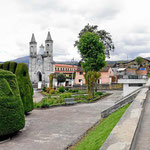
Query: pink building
{"points": [[79, 78], [105, 78]]}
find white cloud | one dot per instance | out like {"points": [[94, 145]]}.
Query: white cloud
{"points": [[127, 21]]}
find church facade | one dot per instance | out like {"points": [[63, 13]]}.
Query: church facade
{"points": [[41, 62]]}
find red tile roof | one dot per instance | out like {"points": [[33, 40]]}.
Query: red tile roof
{"points": [[64, 65]]}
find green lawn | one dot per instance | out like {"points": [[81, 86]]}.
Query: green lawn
{"points": [[56, 100], [97, 136]]}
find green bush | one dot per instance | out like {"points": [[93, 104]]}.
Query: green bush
{"points": [[25, 86], [6, 65], [44, 89], [73, 90], [11, 107], [148, 74], [12, 66], [46, 102], [98, 93], [52, 91], [66, 89], [61, 89], [65, 95], [1, 66]]}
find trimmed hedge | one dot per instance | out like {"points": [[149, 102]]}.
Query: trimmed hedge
{"points": [[25, 86], [12, 66], [11, 108], [1, 66], [6, 65]]}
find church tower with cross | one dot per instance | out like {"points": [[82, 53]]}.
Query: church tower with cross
{"points": [[41, 62]]}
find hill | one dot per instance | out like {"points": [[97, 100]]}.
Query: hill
{"points": [[22, 60], [25, 60]]}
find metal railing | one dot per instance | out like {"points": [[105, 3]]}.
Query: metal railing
{"points": [[132, 77]]}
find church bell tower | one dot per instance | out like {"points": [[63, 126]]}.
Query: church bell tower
{"points": [[33, 46], [49, 46], [41, 63]]}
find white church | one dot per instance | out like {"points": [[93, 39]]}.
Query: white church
{"points": [[41, 62]]}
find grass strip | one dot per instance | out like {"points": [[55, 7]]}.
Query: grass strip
{"points": [[97, 136]]}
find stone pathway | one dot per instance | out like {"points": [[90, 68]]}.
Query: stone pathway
{"points": [[37, 97], [54, 129], [143, 140]]}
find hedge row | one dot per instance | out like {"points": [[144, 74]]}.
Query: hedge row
{"points": [[11, 107], [25, 86]]}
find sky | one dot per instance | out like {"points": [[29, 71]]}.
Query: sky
{"points": [[128, 21]]}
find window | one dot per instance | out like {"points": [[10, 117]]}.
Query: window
{"points": [[80, 80], [81, 73], [135, 84]]}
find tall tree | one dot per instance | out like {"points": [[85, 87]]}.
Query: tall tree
{"points": [[104, 37], [61, 78], [51, 76], [92, 51], [139, 61]]}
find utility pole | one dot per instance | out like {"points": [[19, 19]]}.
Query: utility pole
{"points": [[72, 61]]}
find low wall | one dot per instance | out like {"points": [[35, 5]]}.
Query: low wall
{"points": [[127, 99], [113, 86], [124, 133]]}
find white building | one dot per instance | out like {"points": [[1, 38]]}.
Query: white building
{"points": [[41, 63], [132, 83]]}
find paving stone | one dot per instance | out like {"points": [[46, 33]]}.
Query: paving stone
{"points": [[54, 129]]}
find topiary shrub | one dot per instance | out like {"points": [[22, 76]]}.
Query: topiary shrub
{"points": [[25, 86], [11, 107], [1, 66], [12, 66], [6, 65]]}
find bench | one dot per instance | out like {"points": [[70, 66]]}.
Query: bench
{"points": [[70, 101]]}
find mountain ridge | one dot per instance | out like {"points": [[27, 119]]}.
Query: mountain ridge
{"points": [[25, 60]]}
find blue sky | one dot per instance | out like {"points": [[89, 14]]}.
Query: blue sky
{"points": [[128, 21]]}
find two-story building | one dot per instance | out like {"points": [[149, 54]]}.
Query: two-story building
{"points": [[68, 71], [105, 78]]}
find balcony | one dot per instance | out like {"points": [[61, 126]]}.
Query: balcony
{"points": [[127, 79]]}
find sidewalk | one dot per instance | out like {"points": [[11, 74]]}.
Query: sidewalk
{"points": [[37, 97], [143, 140]]}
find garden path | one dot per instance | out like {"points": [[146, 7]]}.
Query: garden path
{"points": [[37, 97], [54, 129]]}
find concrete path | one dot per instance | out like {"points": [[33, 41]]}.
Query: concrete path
{"points": [[37, 97], [54, 129], [143, 140]]}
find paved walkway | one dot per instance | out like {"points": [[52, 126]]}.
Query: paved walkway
{"points": [[54, 129], [143, 140], [37, 97]]}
